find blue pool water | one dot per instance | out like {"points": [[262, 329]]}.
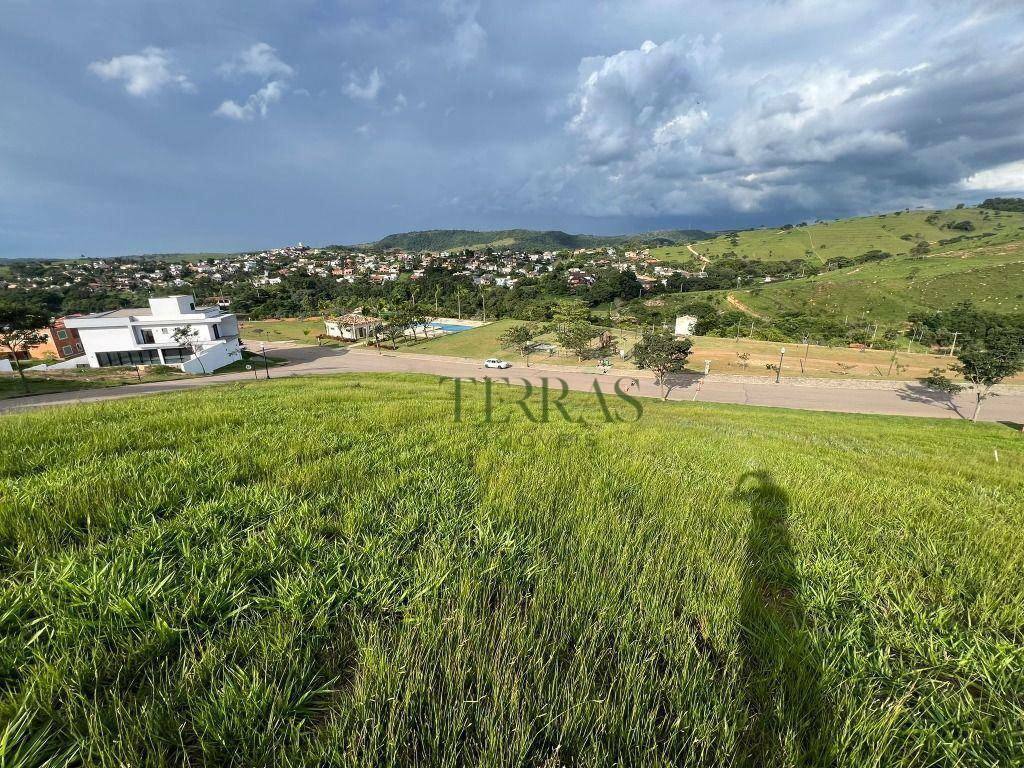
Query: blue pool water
{"points": [[450, 327]]}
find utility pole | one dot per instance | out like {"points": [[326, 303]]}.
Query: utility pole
{"points": [[953, 345], [778, 371]]}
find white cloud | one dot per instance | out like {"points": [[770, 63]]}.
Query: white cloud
{"points": [[1008, 177], [260, 60], [256, 104], [469, 38], [624, 100], [367, 91], [144, 73], [400, 104]]}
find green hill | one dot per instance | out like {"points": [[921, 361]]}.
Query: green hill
{"points": [[526, 239], [336, 572], [896, 233], [926, 260], [991, 277]]}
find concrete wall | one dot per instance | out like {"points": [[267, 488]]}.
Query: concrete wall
{"points": [[172, 306], [214, 357], [106, 340]]}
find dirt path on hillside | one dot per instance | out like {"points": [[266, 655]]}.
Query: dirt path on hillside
{"points": [[703, 258], [732, 301]]}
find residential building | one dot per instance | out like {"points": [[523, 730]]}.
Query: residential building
{"points": [[61, 342], [146, 336]]}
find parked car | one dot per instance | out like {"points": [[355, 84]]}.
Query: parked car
{"points": [[493, 362]]}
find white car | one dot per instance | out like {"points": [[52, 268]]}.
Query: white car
{"points": [[493, 362]]}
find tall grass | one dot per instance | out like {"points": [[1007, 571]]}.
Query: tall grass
{"points": [[334, 572]]}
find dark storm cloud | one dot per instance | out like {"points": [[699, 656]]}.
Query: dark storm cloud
{"points": [[133, 127]]}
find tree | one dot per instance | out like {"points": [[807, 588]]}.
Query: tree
{"points": [[398, 321], [577, 337], [938, 380], [20, 326], [570, 313], [519, 338], [187, 336], [985, 364], [663, 353]]}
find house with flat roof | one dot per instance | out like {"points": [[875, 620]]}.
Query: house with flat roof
{"points": [[146, 335]]}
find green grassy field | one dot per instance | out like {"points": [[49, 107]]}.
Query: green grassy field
{"points": [[338, 573], [304, 331]]}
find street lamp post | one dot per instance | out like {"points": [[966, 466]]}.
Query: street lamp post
{"points": [[778, 371]]}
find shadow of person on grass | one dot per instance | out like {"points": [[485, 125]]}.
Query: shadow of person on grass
{"points": [[781, 671]]}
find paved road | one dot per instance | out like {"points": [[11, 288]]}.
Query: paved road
{"points": [[908, 400]]}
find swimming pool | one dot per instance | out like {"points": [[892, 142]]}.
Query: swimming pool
{"points": [[449, 327]]}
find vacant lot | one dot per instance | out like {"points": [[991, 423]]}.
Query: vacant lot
{"points": [[302, 330], [338, 573], [734, 356]]}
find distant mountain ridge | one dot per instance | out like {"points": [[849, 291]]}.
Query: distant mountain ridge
{"points": [[528, 239]]}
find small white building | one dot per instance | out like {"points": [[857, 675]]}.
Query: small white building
{"points": [[685, 325], [351, 327], [145, 336]]}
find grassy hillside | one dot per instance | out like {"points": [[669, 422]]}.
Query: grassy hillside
{"points": [[337, 573], [526, 239], [895, 233], [992, 277], [984, 265]]}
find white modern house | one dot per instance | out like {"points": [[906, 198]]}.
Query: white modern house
{"points": [[146, 336]]}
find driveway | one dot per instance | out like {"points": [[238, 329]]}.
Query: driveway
{"points": [[826, 395]]}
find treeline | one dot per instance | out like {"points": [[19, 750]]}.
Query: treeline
{"points": [[1011, 204], [965, 323]]}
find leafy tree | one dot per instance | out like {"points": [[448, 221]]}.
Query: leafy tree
{"points": [[1004, 204], [20, 326], [187, 336], [398, 321], [519, 338], [663, 353], [987, 363], [570, 313], [577, 337], [938, 380]]}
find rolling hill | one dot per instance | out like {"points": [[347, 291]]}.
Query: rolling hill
{"points": [[981, 261], [896, 233], [527, 239]]}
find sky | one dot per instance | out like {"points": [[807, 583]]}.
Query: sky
{"points": [[155, 126]]}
